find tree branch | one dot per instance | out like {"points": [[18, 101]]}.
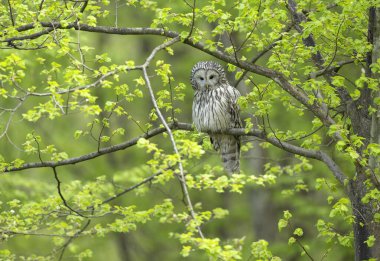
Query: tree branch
{"points": [[317, 57], [330, 69], [61, 195], [264, 51], [182, 177], [146, 180], [68, 242], [308, 153], [11, 12], [89, 156]]}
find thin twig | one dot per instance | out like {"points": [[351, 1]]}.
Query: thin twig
{"points": [[171, 99], [38, 148], [12, 112], [300, 243], [61, 195], [192, 18], [83, 87], [11, 13], [146, 180], [336, 47], [68, 242]]}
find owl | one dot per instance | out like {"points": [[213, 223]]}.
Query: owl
{"points": [[215, 110]]}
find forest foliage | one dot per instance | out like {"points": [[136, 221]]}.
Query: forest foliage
{"points": [[99, 159]]}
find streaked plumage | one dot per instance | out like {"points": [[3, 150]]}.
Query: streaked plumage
{"points": [[215, 109]]}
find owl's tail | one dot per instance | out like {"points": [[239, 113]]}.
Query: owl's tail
{"points": [[229, 147]]}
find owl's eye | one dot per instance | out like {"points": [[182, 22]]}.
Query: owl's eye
{"points": [[201, 78], [211, 77]]}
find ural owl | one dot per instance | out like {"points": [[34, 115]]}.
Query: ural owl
{"points": [[215, 110]]}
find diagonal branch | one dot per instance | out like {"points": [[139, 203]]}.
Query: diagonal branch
{"points": [[317, 57], [330, 69], [146, 180], [264, 51], [182, 177]]}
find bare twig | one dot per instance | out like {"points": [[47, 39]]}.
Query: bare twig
{"points": [[192, 18], [11, 12], [12, 112], [61, 195], [84, 6], [146, 180], [41, 5], [68, 242], [29, 233], [330, 69], [300, 244], [335, 49]]}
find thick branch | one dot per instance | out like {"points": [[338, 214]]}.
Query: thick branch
{"points": [[89, 156], [313, 154]]}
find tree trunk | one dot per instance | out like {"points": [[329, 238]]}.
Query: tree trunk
{"points": [[363, 218], [365, 225], [374, 17], [374, 22]]}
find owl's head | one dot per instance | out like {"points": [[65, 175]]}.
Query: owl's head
{"points": [[207, 76]]}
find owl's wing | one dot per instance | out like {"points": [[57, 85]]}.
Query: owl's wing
{"points": [[234, 108], [228, 145]]}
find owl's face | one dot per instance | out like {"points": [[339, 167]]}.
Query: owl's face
{"points": [[207, 76], [206, 79]]}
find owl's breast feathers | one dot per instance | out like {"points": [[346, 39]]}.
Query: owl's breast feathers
{"points": [[216, 110]]}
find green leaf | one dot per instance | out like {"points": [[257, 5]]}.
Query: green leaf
{"points": [[185, 251], [282, 223], [220, 213], [298, 232], [370, 241], [287, 215], [291, 241]]}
